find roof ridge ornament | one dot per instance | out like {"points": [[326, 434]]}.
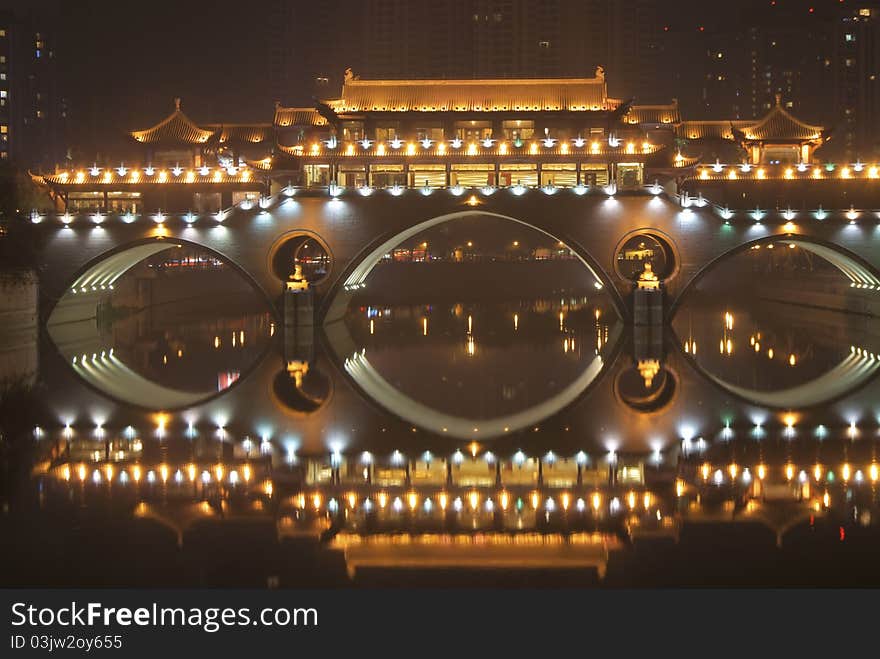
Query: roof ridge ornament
{"points": [[177, 103]]}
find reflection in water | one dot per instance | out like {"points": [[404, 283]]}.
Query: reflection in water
{"points": [[502, 338], [161, 339], [482, 360]]}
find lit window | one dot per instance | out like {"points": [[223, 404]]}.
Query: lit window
{"points": [[850, 37], [864, 12], [2, 33], [543, 44]]}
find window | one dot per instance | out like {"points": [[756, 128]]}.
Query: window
{"points": [[473, 130], [629, 175], [594, 174], [430, 131], [518, 174], [2, 33], [559, 174], [384, 176], [472, 175], [352, 131], [434, 176], [850, 37], [518, 129], [317, 175], [544, 44], [387, 131], [352, 176]]}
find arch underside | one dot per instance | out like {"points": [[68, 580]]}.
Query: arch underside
{"points": [[359, 274]]}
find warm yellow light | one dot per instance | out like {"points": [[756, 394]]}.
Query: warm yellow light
{"points": [[472, 149], [441, 148], [413, 500], [190, 176], [504, 500], [80, 177], [535, 498], [733, 470], [594, 147], [383, 499], [704, 174], [679, 487], [826, 500], [873, 472], [792, 360], [789, 172], [191, 472], [817, 472], [846, 471], [316, 500], [410, 149], [732, 175], [873, 172], [646, 500], [533, 149], [502, 149], [163, 472], [789, 420], [218, 472], [349, 150], [762, 472], [443, 500], [136, 473], [474, 499], [596, 500], [352, 499], [563, 148], [761, 174], [789, 471], [630, 147], [135, 176], [631, 500], [380, 149], [845, 173], [817, 173], [705, 470], [246, 473], [268, 488], [315, 149], [163, 176]]}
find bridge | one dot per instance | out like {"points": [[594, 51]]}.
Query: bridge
{"points": [[85, 255]]}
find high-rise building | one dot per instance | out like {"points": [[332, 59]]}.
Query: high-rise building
{"points": [[33, 109], [856, 84]]}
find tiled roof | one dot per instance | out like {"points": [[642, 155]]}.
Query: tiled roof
{"points": [[285, 117], [701, 130], [470, 95], [176, 127], [242, 133], [778, 124], [654, 114]]}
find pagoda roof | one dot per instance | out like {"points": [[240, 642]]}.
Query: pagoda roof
{"points": [[175, 128], [285, 117], [486, 95], [242, 133], [778, 125], [654, 114]]}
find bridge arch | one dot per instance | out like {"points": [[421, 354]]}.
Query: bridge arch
{"points": [[360, 267], [859, 272], [97, 276]]}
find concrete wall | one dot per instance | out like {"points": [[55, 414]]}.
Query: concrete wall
{"points": [[19, 332]]}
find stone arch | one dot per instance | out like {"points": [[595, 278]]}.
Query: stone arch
{"points": [[856, 269], [362, 265], [93, 280]]}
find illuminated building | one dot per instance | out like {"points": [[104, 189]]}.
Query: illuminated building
{"points": [[432, 134]]}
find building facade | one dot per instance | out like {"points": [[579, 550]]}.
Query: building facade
{"points": [[426, 134]]}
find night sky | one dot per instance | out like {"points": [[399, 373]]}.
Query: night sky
{"points": [[123, 63]]}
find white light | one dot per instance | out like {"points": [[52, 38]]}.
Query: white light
{"points": [[488, 142], [487, 190], [718, 167], [518, 189], [580, 189], [396, 143], [67, 218], [159, 217], [426, 190], [189, 218], [149, 171], [789, 214], [335, 190], [579, 142], [802, 167], [745, 167], [177, 171], [94, 171], [220, 215], [204, 171], [365, 190], [757, 214], [366, 143], [726, 213], [396, 190], [97, 218], [549, 142], [456, 143], [519, 457], [549, 189], [426, 143], [457, 190], [581, 458]]}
